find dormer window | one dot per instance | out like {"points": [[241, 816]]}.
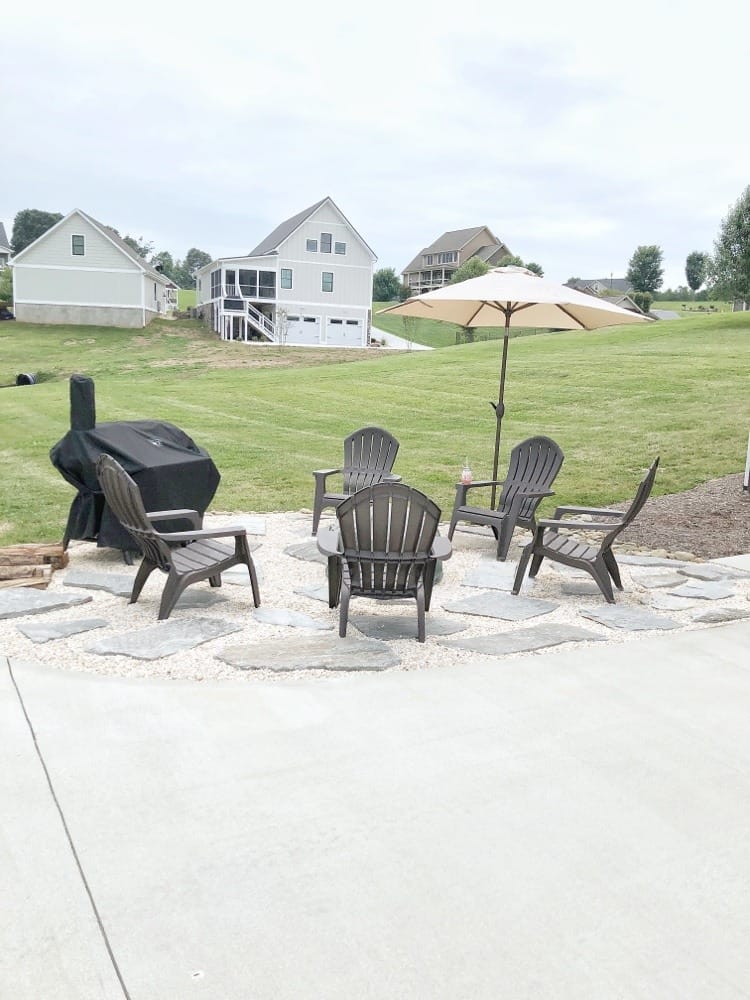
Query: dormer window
{"points": [[77, 246]]}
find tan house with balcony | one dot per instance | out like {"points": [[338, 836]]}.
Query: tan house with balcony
{"points": [[434, 266]]}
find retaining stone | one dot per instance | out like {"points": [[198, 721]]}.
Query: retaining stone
{"points": [[504, 606], [18, 601], [46, 631], [164, 639], [311, 653], [632, 619], [524, 640]]}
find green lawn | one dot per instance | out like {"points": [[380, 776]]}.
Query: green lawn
{"points": [[269, 415], [186, 298], [433, 333], [688, 308]]}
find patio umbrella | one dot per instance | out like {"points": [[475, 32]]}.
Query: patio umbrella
{"points": [[513, 296]]}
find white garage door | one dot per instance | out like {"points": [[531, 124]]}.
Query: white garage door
{"points": [[303, 330], [344, 332]]}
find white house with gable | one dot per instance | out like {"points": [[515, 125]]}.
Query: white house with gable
{"points": [[309, 282], [83, 273]]}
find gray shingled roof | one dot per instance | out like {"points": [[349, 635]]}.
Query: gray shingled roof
{"points": [[616, 284], [285, 229], [456, 239], [493, 253], [4, 241]]}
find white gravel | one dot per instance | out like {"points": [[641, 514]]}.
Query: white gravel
{"points": [[280, 574]]}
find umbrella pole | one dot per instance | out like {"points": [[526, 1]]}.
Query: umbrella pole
{"points": [[499, 407]]}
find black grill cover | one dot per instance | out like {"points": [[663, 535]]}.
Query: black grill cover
{"points": [[170, 469]]}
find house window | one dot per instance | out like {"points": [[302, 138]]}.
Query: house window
{"points": [[312, 246], [293, 319], [327, 284], [310, 319], [267, 284], [325, 242], [248, 283], [286, 277], [428, 258], [352, 322], [339, 248], [77, 246], [216, 284], [337, 322]]}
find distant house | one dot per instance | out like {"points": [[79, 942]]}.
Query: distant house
{"points": [[309, 282], [603, 286], [4, 248], [434, 266], [81, 272]]}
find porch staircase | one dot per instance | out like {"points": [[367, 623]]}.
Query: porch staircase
{"points": [[262, 324]]}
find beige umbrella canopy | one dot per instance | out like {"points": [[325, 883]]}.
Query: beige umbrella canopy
{"points": [[514, 296]]}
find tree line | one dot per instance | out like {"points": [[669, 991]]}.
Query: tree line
{"points": [[31, 223]]}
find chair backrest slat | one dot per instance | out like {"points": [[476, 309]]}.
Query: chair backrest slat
{"points": [[535, 463], [124, 500], [368, 453], [641, 496]]}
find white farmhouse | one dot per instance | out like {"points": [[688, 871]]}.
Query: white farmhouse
{"points": [[309, 282], [82, 272], [4, 248]]}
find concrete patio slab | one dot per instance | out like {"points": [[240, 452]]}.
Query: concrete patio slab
{"points": [[562, 825]]}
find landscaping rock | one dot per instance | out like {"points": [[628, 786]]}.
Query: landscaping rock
{"points": [[504, 606], [311, 653], [46, 631], [164, 639], [712, 616], [18, 601], [524, 640]]}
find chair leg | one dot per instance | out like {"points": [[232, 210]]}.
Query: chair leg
{"points": [[242, 550], [536, 562], [504, 535], [317, 504], [344, 609], [429, 579], [598, 570], [170, 595], [454, 522], [421, 633], [144, 572], [215, 581], [523, 562], [614, 570]]}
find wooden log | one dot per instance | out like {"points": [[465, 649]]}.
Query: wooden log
{"points": [[30, 581], [22, 572], [34, 553]]}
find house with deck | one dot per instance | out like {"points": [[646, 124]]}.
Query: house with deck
{"points": [[308, 283], [83, 273], [435, 265]]}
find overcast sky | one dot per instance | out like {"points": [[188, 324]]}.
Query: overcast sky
{"points": [[575, 131]]}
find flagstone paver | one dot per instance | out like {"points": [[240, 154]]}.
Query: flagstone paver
{"points": [[703, 591], [580, 588], [252, 525], [18, 601], [311, 653], [46, 631], [164, 639], [505, 606], [314, 593], [715, 615], [294, 619], [712, 573], [633, 619], [489, 573], [666, 602], [389, 627], [637, 560], [308, 551], [524, 640], [119, 584], [239, 576], [656, 580], [198, 597]]}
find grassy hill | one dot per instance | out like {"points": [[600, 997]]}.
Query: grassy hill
{"points": [[269, 415]]}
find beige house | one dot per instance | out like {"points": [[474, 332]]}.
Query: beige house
{"points": [[308, 283], [81, 272], [434, 266]]}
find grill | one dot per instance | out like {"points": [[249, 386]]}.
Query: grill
{"points": [[171, 471]]}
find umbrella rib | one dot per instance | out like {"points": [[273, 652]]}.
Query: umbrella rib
{"points": [[570, 315]]}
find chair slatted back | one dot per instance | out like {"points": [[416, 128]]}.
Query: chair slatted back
{"points": [[641, 496], [368, 454], [387, 532], [534, 463], [125, 502]]}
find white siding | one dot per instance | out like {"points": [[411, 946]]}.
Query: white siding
{"points": [[56, 248], [60, 285]]}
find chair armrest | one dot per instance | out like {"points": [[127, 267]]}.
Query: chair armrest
{"points": [[390, 477], [441, 548], [481, 482], [324, 473], [598, 511], [328, 541], [231, 531], [555, 523], [176, 515]]}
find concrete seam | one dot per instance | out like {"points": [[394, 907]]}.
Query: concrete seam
{"points": [[77, 860]]}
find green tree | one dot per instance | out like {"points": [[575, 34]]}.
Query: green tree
{"points": [[185, 269], [510, 260], [696, 269], [164, 263], [536, 268], [28, 225], [645, 272], [474, 267], [730, 270], [6, 285], [385, 285], [144, 248]]}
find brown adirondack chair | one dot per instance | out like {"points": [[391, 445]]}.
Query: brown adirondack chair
{"points": [[385, 547], [553, 541], [185, 556], [369, 454], [533, 466]]}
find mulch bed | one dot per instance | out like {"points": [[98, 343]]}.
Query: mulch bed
{"points": [[711, 520]]}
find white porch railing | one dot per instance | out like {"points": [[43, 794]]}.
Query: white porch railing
{"points": [[255, 318]]}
